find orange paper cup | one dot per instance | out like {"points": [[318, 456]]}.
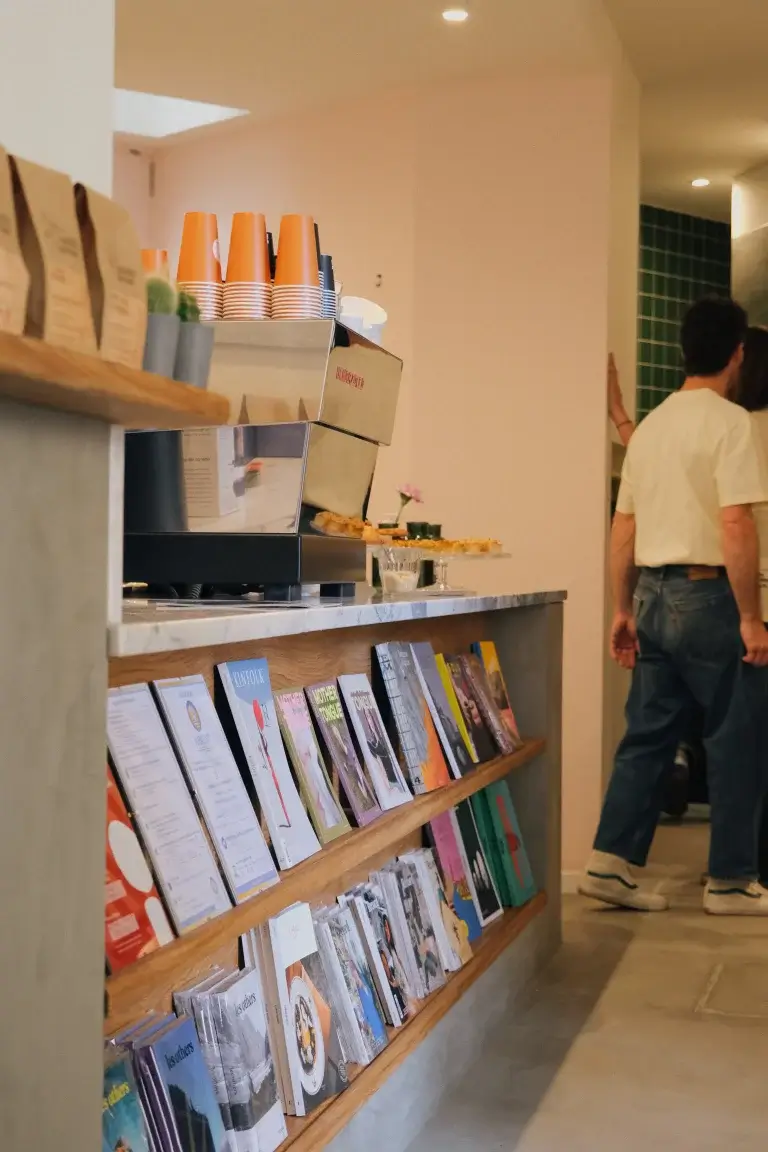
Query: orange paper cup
{"points": [[199, 252], [297, 252], [248, 260], [155, 260]]}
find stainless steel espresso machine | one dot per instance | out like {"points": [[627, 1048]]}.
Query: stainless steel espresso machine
{"points": [[235, 508]]}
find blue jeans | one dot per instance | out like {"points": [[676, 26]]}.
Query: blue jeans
{"points": [[690, 653]]}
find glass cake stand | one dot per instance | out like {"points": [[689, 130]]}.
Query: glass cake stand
{"points": [[441, 560]]}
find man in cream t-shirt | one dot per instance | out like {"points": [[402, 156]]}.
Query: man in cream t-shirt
{"points": [[688, 620]]}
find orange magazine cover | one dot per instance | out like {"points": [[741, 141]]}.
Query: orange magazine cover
{"points": [[405, 708]]}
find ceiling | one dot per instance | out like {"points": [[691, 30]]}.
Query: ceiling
{"points": [[703, 64]]}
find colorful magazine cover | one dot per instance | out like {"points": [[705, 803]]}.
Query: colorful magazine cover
{"points": [[404, 701], [378, 753], [358, 981], [486, 650], [379, 941], [480, 876], [122, 1118], [325, 702], [458, 892], [135, 922], [481, 690], [299, 735], [459, 759], [493, 854], [420, 927], [453, 701], [519, 874], [180, 1069], [482, 740], [255, 733]]}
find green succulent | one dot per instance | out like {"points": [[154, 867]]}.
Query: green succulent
{"points": [[161, 296], [188, 309]]}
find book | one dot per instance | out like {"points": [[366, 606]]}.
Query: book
{"points": [[479, 875], [315, 1063], [455, 871], [359, 980], [479, 733], [481, 691], [247, 705], [241, 1025], [491, 849], [453, 702], [262, 943], [420, 927], [404, 701], [299, 735], [325, 702], [376, 934], [377, 751], [459, 759], [217, 785], [135, 922], [122, 1117], [512, 849], [486, 650], [176, 1065], [154, 785]]}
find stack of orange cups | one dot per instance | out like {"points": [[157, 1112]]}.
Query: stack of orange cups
{"points": [[154, 261], [199, 265], [248, 288], [297, 294]]}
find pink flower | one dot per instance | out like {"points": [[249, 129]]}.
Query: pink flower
{"points": [[408, 492]]}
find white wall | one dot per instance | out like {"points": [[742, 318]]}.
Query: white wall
{"points": [[132, 187]]}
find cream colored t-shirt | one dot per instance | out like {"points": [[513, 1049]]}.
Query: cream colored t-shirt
{"points": [[693, 455], [760, 423]]}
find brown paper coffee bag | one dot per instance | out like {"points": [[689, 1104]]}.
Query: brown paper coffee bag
{"points": [[115, 277], [14, 278], [58, 307]]}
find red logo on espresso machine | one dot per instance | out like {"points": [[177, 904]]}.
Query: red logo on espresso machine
{"points": [[350, 378]]}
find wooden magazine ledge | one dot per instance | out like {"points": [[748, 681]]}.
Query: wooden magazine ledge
{"points": [[148, 984], [36, 373]]}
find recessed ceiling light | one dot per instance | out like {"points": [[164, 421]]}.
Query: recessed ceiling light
{"points": [[455, 15], [700, 182]]}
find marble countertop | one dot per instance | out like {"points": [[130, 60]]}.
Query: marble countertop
{"points": [[148, 628]]}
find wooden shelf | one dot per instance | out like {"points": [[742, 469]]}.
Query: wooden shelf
{"points": [[36, 373], [149, 984], [316, 1131]]}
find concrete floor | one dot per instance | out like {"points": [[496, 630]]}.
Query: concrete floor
{"points": [[645, 1032]]}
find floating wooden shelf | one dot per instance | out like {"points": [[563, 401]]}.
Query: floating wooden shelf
{"points": [[149, 984], [316, 1131], [40, 374]]}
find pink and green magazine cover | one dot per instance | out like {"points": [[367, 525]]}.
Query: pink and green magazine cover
{"points": [[327, 709], [299, 735]]}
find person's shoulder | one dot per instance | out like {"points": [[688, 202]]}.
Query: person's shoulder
{"points": [[732, 416]]}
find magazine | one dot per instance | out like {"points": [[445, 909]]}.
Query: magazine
{"points": [[417, 737], [482, 740], [479, 874], [378, 753], [459, 759], [420, 927], [488, 838], [512, 849], [179, 1071], [455, 869], [359, 981], [299, 735], [376, 933], [122, 1118], [325, 702], [481, 691], [486, 650], [453, 702]]}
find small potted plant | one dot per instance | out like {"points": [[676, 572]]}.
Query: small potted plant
{"points": [[195, 348], [162, 327]]}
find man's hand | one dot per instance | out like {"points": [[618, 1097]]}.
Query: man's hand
{"points": [[624, 645], [755, 637], [615, 399]]}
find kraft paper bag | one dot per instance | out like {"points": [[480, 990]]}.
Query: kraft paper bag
{"points": [[115, 275], [14, 277], [58, 306]]}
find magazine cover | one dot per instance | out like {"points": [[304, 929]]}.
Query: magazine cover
{"points": [[453, 701], [414, 977], [378, 753], [481, 690], [459, 759], [458, 892], [350, 1036], [417, 737], [296, 727], [455, 929], [135, 922], [159, 800], [217, 785], [359, 981], [256, 734], [318, 1071], [420, 928], [325, 702], [122, 1119], [486, 650], [493, 854], [180, 1068], [482, 740], [379, 943], [479, 875], [201, 1011], [514, 856]]}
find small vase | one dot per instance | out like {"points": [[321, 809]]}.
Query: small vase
{"points": [[193, 355], [161, 343]]}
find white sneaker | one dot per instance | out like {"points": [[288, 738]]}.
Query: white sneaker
{"points": [[609, 879], [735, 898]]}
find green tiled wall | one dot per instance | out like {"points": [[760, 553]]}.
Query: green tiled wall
{"points": [[682, 258]]}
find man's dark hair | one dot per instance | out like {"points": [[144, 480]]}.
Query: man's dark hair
{"points": [[711, 332], [752, 392]]}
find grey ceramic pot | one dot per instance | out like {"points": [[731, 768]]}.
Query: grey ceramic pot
{"points": [[193, 355], [161, 344]]}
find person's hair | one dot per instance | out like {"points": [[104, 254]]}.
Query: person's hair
{"points": [[711, 333], [752, 392]]}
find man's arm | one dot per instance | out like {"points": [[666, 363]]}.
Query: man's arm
{"points": [[616, 410], [623, 640], [741, 553]]}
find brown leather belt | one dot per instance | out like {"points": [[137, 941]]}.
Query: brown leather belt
{"points": [[704, 572]]}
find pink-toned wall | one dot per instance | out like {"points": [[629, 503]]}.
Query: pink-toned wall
{"points": [[486, 207]]}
